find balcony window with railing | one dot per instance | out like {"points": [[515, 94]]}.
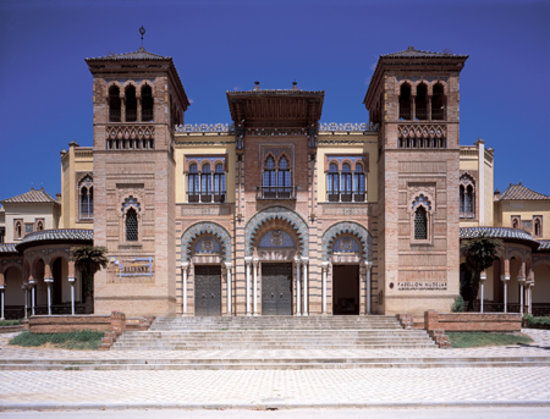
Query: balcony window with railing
{"points": [[276, 180], [346, 185], [204, 186]]}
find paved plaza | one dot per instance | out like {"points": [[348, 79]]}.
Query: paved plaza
{"points": [[72, 388]]}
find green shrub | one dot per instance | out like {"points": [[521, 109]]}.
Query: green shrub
{"points": [[458, 305], [10, 322], [539, 322], [81, 339]]}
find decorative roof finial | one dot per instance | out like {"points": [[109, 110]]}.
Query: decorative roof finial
{"points": [[142, 32]]}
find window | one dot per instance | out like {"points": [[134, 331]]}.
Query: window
{"points": [[146, 103], [269, 181], [347, 184], [276, 179], [86, 198], [29, 228], [438, 102], [421, 102], [131, 103], [516, 220], [420, 224], [2, 234], [283, 180], [206, 179], [467, 196], [359, 183], [131, 225], [405, 101], [345, 179], [219, 183], [206, 183], [193, 183], [114, 104], [18, 230], [39, 225], [537, 226], [421, 210], [333, 183]]}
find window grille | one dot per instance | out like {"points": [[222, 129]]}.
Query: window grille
{"points": [[420, 224], [219, 183], [333, 183], [131, 225], [193, 183]]}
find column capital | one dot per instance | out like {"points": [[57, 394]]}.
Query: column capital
{"points": [[48, 280], [530, 283], [256, 260], [368, 264], [297, 259], [505, 278], [71, 279], [185, 265], [305, 259], [2, 287], [32, 281], [325, 264], [248, 259], [483, 276], [228, 265]]}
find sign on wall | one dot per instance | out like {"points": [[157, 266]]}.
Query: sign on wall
{"points": [[131, 267]]}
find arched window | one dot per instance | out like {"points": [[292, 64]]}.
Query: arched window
{"points": [[131, 225], [346, 183], [146, 103], [405, 101], [86, 197], [469, 201], [420, 223], [219, 183], [333, 183], [269, 178], [537, 228], [193, 183], [39, 225], [18, 229], [438, 102], [131, 103], [359, 183], [206, 183], [421, 102], [515, 223], [462, 198], [114, 103], [283, 181]]}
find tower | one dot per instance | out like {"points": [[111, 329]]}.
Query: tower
{"points": [[414, 96], [138, 99]]}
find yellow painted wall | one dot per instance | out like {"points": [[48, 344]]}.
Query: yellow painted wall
{"points": [[526, 209], [211, 145], [364, 145], [75, 161]]}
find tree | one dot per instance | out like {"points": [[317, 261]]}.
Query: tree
{"points": [[88, 260], [480, 253]]}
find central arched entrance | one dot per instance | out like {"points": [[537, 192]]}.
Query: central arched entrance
{"points": [[345, 292]]}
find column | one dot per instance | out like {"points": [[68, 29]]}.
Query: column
{"points": [[521, 281], [482, 279], [505, 279], [2, 287], [48, 279], [298, 286], [305, 285], [229, 293], [32, 283], [256, 262], [368, 265], [184, 269], [325, 267], [72, 280], [24, 286], [248, 262], [530, 285]]}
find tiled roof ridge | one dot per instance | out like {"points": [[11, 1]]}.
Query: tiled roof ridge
{"points": [[520, 191], [7, 248], [412, 52], [33, 195]]}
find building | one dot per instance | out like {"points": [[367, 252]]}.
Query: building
{"points": [[275, 213]]}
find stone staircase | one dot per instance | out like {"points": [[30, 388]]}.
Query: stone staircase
{"points": [[274, 332]]}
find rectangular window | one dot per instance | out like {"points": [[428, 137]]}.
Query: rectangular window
{"points": [[29, 228]]}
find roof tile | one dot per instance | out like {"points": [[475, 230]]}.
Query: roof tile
{"points": [[519, 191], [34, 195], [140, 54]]}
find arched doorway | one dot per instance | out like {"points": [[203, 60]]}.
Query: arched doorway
{"points": [[14, 293]]}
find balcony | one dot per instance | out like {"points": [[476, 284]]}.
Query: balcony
{"points": [[276, 192], [194, 198]]}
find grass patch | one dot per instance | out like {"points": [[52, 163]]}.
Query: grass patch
{"points": [[10, 322], [81, 339], [477, 339]]}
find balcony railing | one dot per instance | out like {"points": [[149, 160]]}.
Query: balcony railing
{"points": [[276, 192], [205, 198], [346, 197]]}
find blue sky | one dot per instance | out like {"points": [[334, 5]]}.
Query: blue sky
{"points": [[330, 45]]}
